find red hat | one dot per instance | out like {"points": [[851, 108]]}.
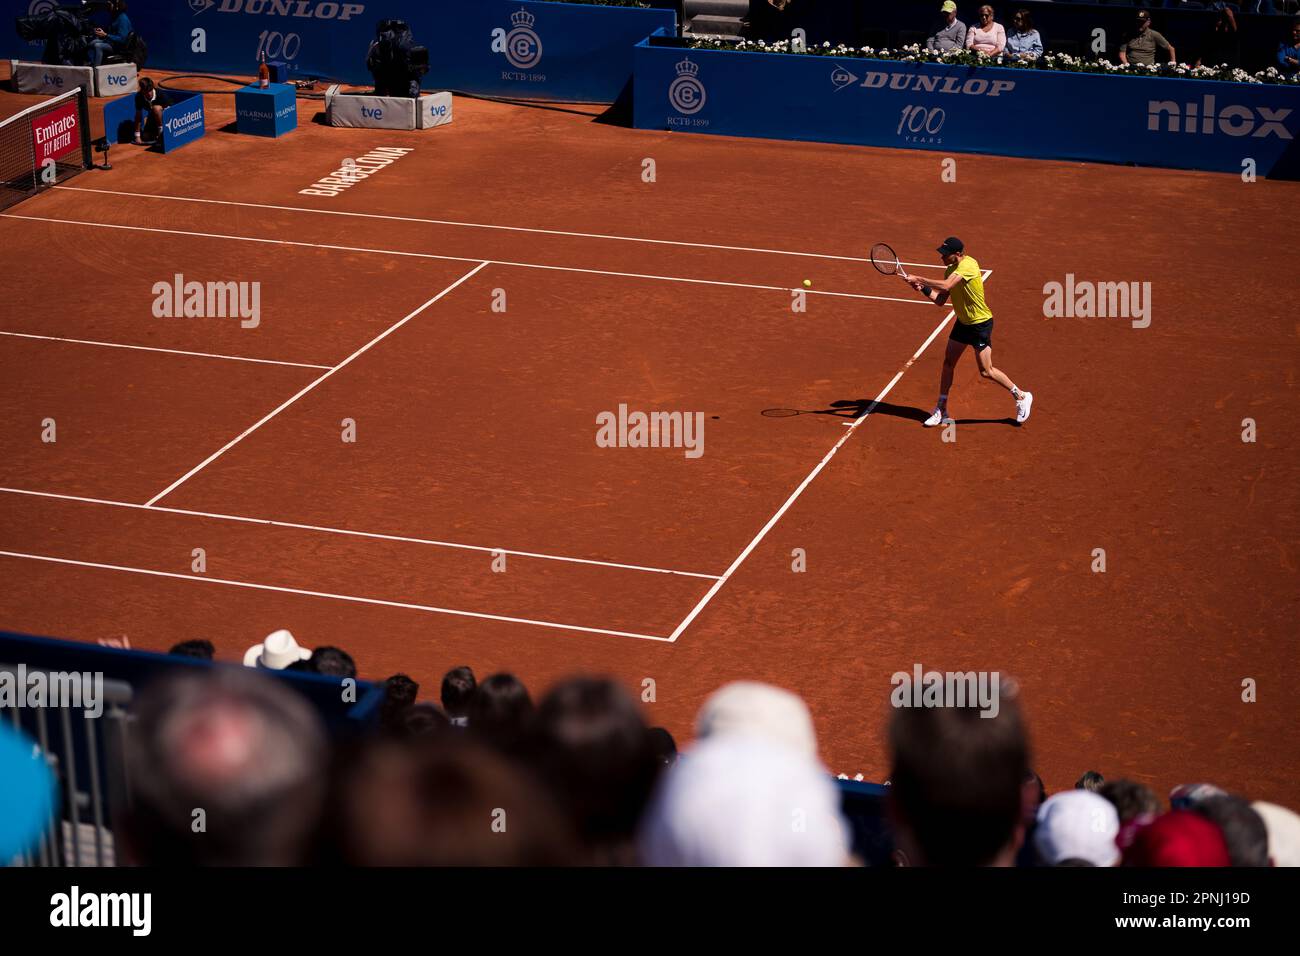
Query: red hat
{"points": [[1179, 838]]}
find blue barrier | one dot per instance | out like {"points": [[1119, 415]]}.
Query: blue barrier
{"points": [[182, 120], [1184, 124], [512, 48]]}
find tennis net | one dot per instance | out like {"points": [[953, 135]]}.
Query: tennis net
{"points": [[43, 145]]}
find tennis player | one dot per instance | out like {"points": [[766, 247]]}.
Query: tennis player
{"points": [[964, 283]]}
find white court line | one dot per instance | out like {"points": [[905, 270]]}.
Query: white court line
{"points": [[356, 534], [430, 255], [327, 594], [307, 388], [481, 225], [794, 495], [149, 348]]}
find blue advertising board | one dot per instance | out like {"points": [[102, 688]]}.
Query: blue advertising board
{"points": [[182, 119], [1186, 124], [524, 49], [266, 112]]}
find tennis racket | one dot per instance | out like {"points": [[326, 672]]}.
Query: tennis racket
{"points": [[886, 260]]}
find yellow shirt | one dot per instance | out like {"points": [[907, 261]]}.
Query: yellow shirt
{"points": [[968, 297]]}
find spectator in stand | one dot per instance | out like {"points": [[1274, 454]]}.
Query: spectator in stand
{"points": [[1283, 833], [113, 40], [1023, 42], [988, 36], [590, 746], [1136, 804], [731, 802], [956, 789], [422, 722], [663, 745], [1243, 829], [1221, 45], [330, 661], [1288, 53], [500, 711], [1077, 825], [758, 710], [199, 649], [400, 693], [449, 802], [237, 744], [950, 36], [1091, 780], [1179, 838], [1141, 48], [458, 687]]}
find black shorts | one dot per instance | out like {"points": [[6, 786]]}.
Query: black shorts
{"points": [[978, 336]]}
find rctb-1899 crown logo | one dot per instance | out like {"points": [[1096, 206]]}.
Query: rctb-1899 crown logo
{"points": [[687, 94], [523, 47]]}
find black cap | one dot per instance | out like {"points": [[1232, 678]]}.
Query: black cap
{"points": [[951, 246]]}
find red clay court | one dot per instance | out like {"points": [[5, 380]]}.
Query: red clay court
{"points": [[475, 428]]}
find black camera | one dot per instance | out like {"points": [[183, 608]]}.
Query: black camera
{"points": [[395, 60]]}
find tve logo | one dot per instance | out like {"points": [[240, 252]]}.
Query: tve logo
{"points": [[53, 80], [438, 110], [376, 113], [1206, 119], [118, 79]]}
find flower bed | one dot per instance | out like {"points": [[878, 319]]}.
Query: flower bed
{"points": [[1056, 62]]}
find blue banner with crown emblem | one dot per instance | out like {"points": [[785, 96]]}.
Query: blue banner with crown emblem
{"points": [[1249, 129], [524, 49]]}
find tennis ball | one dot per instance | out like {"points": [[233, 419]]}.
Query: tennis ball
{"points": [[807, 283]]}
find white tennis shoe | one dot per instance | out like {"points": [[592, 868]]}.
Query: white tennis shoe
{"points": [[1023, 404], [939, 417]]}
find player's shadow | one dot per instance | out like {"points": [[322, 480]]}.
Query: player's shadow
{"points": [[855, 408]]}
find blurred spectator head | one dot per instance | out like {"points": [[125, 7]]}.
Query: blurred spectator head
{"points": [[591, 746], [278, 651], [745, 801], [1134, 802], [500, 711], [758, 710], [1243, 829], [199, 649], [1187, 795], [1023, 20], [1091, 781], [956, 785], [332, 662], [1179, 838], [27, 792], [663, 745], [1283, 833], [457, 690], [400, 692], [421, 722], [1077, 825], [446, 802], [236, 751], [949, 10]]}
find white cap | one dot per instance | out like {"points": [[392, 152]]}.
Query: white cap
{"points": [[1077, 825], [1283, 833], [742, 801], [758, 710]]}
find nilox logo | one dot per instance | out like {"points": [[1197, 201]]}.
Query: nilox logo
{"points": [[303, 9], [1206, 118], [687, 94]]}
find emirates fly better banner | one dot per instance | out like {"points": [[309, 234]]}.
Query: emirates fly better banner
{"points": [[56, 134]]}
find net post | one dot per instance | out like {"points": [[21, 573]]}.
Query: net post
{"points": [[83, 117]]}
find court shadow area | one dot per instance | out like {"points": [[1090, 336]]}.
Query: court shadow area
{"points": [[857, 407]]}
